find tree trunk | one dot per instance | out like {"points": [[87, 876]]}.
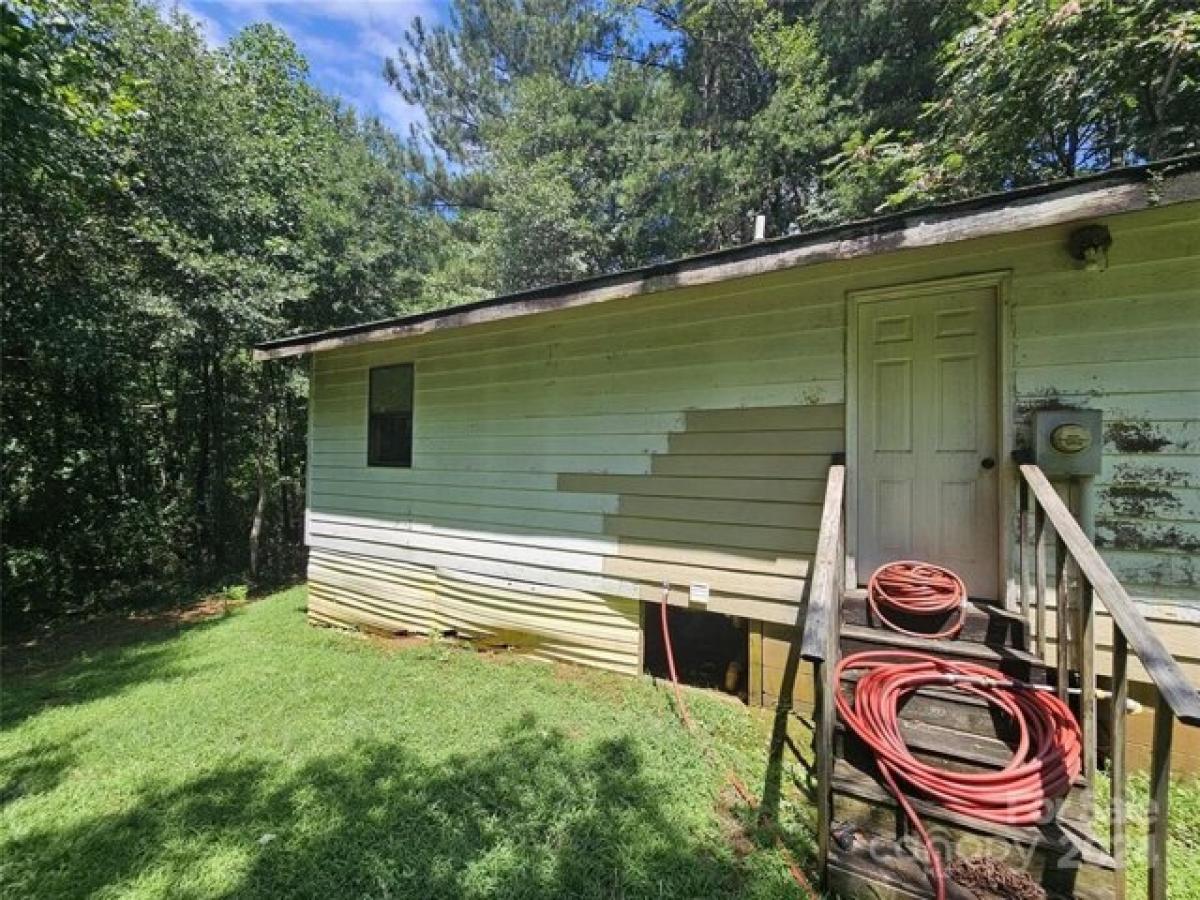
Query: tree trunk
{"points": [[203, 461], [260, 508], [220, 480]]}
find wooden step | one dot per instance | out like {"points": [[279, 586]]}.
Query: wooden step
{"points": [[985, 622], [949, 709], [867, 871], [1061, 855], [871, 871], [955, 751], [1012, 661]]}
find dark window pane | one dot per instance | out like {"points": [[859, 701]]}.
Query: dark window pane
{"points": [[390, 427], [391, 439], [392, 389]]}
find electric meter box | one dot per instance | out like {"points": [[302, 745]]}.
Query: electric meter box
{"points": [[1068, 441]]}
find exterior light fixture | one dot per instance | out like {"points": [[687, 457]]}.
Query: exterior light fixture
{"points": [[1089, 245]]}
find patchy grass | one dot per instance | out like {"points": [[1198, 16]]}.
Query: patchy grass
{"points": [[247, 754], [213, 752], [1183, 825]]}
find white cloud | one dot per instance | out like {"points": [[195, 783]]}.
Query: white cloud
{"points": [[396, 112], [359, 12], [210, 29], [373, 96]]}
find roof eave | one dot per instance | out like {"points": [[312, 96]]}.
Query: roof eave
{"points": [[1122, 191]]}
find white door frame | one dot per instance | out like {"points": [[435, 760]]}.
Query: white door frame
{"points": [[1007, 487]]}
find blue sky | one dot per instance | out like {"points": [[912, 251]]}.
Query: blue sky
{"points": [[345, 41]]}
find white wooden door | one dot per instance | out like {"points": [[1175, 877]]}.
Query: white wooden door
{"points": [[927, 450]]}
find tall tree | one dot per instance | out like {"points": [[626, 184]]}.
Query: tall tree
{"points": [[166, 206], [1033, 91], [464, 75]]}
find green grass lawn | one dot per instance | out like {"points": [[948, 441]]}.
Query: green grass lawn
{"points": [[253, 755]]}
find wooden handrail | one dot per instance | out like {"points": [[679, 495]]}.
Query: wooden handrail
{"points": [[1081, 573], [1160, 665], [824, 581], [819, 645]]}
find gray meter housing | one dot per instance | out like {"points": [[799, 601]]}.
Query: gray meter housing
{"points": [[1068, 441]]}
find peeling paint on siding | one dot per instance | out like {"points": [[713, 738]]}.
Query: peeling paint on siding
{"points": [[1133, 535], [1166, 476], [1135, 437], [1140, 501]]}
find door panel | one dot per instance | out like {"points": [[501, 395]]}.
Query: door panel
{"points": [[926, 421]]}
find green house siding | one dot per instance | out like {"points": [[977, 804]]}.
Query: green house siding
{"points": [[566, 464]]}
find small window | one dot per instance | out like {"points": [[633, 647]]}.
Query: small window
{"points": [[390, 430]]}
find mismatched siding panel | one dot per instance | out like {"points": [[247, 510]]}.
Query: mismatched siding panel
{"points": [[567, 464], [599, 455]]}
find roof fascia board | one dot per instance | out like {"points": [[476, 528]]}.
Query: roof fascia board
{"points": [[1073, 202]]}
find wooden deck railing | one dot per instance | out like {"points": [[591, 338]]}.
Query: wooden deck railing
{"points": [[819, 645], [1082, 577]]}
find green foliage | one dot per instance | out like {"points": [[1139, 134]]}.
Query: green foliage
{"points": [[1037, 90], [1034, 91], [808, 113], [165, 206]]}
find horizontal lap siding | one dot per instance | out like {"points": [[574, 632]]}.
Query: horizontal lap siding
{"points": [[563, 472], [1127, 341], [685, 436], [552, 623], [352, 588]]}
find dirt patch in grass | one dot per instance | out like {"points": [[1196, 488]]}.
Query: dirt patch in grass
{"points": [[395, 643], [733, 830]]}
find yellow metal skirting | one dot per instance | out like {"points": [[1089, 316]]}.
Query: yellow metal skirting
{"points": [[547, 622]]}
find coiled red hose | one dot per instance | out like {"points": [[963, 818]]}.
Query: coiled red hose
{"points": [[919, 588], [1046, 759]]}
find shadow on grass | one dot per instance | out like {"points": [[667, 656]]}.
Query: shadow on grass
{"points": [[38, 770], [533, 816], [101, 659]]}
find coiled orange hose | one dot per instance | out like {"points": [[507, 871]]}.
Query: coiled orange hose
{"points": [[1046, 760], [919, 588]]}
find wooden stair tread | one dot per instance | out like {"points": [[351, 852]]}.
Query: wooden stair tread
{"points": [[860, 593], [949, 743], [849, 679], [986, 654], [957, 710], [975, 605], [984, 621], [980, 751], [952, 750], [1064, 838], [898, 876], [863, 872], [860, 872]]}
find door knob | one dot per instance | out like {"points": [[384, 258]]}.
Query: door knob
{"points": [[988, 463]]}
